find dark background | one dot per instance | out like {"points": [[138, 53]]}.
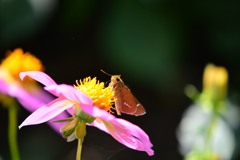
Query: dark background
{"points": [[158, 47]]}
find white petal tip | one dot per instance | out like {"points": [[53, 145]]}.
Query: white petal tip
{"points": [[22, 75]]}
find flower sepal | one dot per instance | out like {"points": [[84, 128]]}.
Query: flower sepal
{"points": [[75, 129], [64, 120], [80, 130], [82, 116], [69, 128]]}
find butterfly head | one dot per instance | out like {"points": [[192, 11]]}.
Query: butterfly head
{"points": [[116, 78]]}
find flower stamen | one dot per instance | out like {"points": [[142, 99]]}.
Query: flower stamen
{"points": [[101, 96]]}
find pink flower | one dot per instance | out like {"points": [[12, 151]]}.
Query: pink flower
{"points": [[84, 96], [28, 93]]}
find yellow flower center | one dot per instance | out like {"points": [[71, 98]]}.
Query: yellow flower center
{"points": [[18, 61], [101, 96], [215, 85], [215, 81], [215, 76]]}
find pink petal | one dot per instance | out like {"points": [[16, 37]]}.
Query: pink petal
{"points": [[38, 76], [12, 90], [58, 125], [26, 98], [70, 93], [123, 131], [128, 134], [31, 102], [47, 112], [4, 87], [97, 112], [136, 132]]}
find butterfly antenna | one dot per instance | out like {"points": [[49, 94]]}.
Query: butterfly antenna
{"points": [[106, 73]]}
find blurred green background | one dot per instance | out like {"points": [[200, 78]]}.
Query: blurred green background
{"points": [[158, 47]]}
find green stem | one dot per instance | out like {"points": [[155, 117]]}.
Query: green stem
{"points": [[12, 132], [211, 128], [79, 149]]}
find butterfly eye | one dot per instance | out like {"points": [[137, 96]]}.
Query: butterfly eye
{"points": [[118, 79]]}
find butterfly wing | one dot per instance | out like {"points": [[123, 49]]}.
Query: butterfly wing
{"points": [[126, 102]]}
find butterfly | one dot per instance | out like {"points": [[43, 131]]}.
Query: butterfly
{"points": [[125, 101]]}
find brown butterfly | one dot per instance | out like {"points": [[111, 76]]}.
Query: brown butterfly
{"points": [[125, 101]]}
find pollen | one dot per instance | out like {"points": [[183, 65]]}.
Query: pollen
{"points": [[101, 96], [18, 61]]}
